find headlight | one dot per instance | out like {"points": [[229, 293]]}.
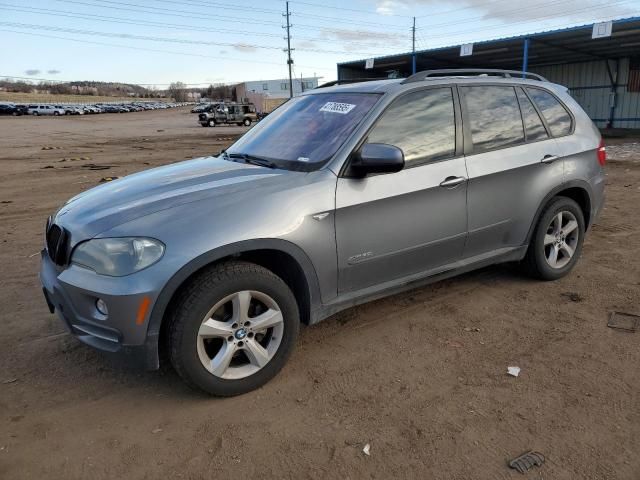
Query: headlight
{"points": [[118, 256]]}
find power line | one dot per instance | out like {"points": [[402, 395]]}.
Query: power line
{"points": [[147, 23], [201, 3], [529, 20], [474, 6], [128, 36], [126, 21], [122, 6], [221, 6], [155, 50], [537, 7], [167, 12], [346, 9]]}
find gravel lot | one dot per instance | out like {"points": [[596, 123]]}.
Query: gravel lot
{"points": [[420, 376]]}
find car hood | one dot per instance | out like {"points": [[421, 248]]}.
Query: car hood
{"points": [[119, 201]]}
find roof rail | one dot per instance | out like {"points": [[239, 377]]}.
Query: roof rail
{"points": [[458, 72], [351, 80]]}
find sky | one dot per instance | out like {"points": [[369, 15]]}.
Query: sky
{"points": [[199, 42]]}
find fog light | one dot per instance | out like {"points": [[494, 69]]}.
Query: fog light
{"points": [[101, 306]]}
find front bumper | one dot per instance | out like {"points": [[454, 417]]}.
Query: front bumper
{"points": [[122, 335]]}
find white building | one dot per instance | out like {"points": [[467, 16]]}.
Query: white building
{"points": [[275, 88]]}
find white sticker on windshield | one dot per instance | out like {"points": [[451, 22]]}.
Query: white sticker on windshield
{"points": [[336, 107], [303, 159]]}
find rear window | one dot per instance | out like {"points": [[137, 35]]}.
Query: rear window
{"points": [[554, 113], [494, 116]]}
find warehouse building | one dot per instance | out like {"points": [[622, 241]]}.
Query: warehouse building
{"points": [[600, 63], [267, 95]]}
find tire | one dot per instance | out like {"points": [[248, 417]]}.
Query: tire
{"points": [[35, 114], [211, 123], [55, 114], [549, 255], [208, 307], [246, 122]]}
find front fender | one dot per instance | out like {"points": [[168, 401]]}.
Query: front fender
{"points": [[171, 287]]}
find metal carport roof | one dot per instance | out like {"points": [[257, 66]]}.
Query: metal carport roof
{"points": [[568, 45]]}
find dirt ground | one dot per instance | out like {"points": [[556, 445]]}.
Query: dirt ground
{"points": [[420, 376]]}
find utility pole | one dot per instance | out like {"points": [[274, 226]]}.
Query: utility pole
{"points": [[413, 47], [288, 50]]}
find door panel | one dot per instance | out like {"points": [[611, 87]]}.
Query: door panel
{"points": [[508, 178], [395, 225], [391, 226], [505, 189]]}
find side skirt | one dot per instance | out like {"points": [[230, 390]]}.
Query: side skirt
{"points": [[392, 287]]}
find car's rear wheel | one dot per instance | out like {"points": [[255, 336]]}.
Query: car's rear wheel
{"points": [[233, 329], [557, 240], [56, 114]]}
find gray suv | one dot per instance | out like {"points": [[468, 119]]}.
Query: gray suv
{"points": [[340, 196]]}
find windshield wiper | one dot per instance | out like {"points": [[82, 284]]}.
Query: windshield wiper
{"points": [[252, 159]]}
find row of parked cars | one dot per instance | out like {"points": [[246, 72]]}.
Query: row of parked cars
{"points": [[68, 109]]}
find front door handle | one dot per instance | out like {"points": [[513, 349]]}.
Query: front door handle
{"points": [[452, 181], [549, 158]]}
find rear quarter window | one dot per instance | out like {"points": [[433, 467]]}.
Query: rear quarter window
{"points": [[557, 117]]}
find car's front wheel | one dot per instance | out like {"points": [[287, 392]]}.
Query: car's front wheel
{"points": [[212, 123], [247, 122], [557, 240], [233, 329]]}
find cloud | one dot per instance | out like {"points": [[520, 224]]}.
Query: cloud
{"points": [[222, 52], [307, 44], [389, 7], [53, 72], [355, 39], [243, 47], [556, 11], [31, 71]]}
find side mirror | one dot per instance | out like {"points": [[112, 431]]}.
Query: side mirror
{"points": [[377, 158]]}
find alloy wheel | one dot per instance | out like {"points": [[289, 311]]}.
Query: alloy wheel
{"points": [[561, 239], [240, 335]]}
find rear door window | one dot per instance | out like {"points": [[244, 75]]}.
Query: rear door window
{"points": [[494, 116], [554, 113], [421, 123], [533, 126]]}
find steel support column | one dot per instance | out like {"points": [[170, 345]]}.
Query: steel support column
{"points": [[613, 93], [525, 58]]}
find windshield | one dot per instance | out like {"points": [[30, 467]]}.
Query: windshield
{"points": [[306, 131]]}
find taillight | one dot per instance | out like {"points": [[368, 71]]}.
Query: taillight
{"points": [[602, 153]]}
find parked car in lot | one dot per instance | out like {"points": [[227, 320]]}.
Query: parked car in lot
{"points": [[12, 109], [72, 110], [199, 108], [45, 110], [228, 114], [342, 195]]}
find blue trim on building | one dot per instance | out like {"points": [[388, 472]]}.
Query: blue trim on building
{"points": [[516, 37]]}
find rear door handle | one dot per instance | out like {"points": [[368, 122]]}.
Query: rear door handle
{"points": [[549, 158], [452, 181]]}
